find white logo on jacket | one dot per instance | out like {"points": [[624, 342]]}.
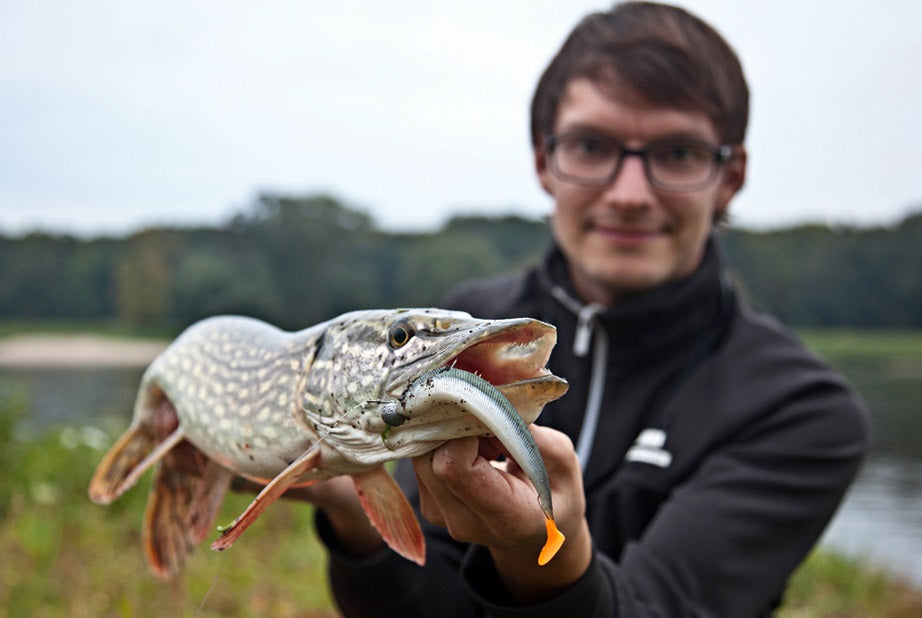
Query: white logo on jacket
{"points": [[648, 448]]}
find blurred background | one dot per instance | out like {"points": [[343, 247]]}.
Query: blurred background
{"points": [[161, 162], [117, 115]]}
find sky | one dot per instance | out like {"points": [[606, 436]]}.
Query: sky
{"points": [[121, 114]]}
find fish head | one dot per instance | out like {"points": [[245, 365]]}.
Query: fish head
{"points": [[365, 361]]}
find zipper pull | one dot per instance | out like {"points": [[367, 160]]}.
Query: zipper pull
{"points": [[585, 324], [585, 320]]}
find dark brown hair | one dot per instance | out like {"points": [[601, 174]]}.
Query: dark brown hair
{"points": [[663, 54]]}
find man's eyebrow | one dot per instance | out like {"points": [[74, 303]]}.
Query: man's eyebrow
{"points": [[587, 132], [595, 131], [684, 136]]}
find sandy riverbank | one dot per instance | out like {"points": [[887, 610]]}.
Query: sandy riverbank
{"points": [[79, 350]]}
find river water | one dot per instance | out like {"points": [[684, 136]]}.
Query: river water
{"points": [[881, 518]]}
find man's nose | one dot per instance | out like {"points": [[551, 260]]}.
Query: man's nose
{"points": [[630, 186]]}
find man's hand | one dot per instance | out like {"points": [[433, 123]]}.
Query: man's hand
{"points": [[478, 502]]}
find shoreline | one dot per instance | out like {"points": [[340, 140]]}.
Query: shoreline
{"points": [[81, 350]]}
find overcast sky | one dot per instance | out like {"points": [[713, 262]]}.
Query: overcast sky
{"points": [[120, 114]]}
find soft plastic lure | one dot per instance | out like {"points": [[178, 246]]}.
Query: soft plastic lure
{"points": [[457, 388]]}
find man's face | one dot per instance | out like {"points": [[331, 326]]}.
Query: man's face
{"points": [[628, 236]]}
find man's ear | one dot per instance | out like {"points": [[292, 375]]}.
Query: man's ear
{"points": [[732, 179], [541, 167]]}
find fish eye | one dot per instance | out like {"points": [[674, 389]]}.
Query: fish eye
{"points": [[400, 334]]}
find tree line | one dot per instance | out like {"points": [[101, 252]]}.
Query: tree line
{"points": [[297, 260]]}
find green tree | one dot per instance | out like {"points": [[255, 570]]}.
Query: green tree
{"points": [[314, 247], [431, 265], [142, 277]]}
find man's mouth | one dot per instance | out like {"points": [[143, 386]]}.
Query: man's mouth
{"points": [[625, 233]]}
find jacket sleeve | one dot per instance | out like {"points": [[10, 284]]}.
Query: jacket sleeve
{"points": [[726, 541], [766, 440]]}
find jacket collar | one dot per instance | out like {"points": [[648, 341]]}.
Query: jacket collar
{"points": [[667, 316]]}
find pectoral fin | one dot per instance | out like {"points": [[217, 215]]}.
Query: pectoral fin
{"points": [[270, 493], [390, 513]]}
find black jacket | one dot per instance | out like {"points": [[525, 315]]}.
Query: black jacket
{"points": [[719, 451]]}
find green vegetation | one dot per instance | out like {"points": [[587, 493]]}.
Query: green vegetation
{"points": [[64, 326], [292, 261], [815, 276], [297, 260], [842, 347], [65, 556], [829, 585]]}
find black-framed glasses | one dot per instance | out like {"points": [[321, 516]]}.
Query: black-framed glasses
{"points": [[670, 164]]}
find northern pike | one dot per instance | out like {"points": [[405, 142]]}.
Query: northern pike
{"points": [[235, 396]]}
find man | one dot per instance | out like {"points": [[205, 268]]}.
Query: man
{"points": [[701, 450]]}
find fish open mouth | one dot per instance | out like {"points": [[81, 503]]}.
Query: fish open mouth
{"points": [[510, 354]]}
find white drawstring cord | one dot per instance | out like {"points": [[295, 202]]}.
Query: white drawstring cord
{"points": [[586, 326]]}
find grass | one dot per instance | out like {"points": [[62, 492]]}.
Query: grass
{"points": [[830, 585], [854, 351], [65, 556]]}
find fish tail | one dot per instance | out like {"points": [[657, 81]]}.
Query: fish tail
{"points": [[139, 448], [112, 474]]}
